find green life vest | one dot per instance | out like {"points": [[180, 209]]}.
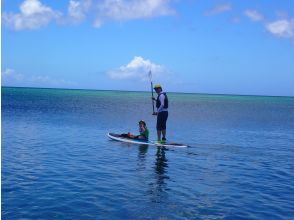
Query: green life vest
{"points": [[145, 133]]}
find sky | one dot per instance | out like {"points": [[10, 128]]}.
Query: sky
{"points": [[198, 46]]}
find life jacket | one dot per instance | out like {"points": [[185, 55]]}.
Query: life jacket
{"points": [[165, 101], [145, 133]]}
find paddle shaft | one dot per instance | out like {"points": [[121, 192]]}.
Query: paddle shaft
{"points": [[152, 96]]}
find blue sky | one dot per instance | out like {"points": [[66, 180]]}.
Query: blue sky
{"points": [[227, 47]]}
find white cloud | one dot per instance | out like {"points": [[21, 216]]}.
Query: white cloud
{"points": [[33, 14], [253, 15], [10, 75], [138, 69], [77, 10], [281, 28], [11, 78], [49, 82], [123, 10], [219, 9], [7, 72]]}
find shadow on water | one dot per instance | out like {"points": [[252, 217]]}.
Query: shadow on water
{"points": [[143, 149], [159, 187]]}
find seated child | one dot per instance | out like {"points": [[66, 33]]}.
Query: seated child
{"points": [[144, 132]]}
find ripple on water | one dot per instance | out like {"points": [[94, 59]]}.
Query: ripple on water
{"points": [[57, 162]]}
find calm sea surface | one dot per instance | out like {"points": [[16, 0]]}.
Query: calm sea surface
{"points": [[57, 162]]}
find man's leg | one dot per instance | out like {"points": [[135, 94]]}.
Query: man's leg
{"points": [[159, 125], [163, 135], [159, 135], [165, 116]]}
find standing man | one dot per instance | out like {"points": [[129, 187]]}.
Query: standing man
{"points": [[162, 112]]}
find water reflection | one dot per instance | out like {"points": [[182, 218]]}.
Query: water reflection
{"points": [[161, 163], [159, 187], [143, 149]]}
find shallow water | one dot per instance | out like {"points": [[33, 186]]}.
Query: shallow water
{"points": [[58, 163]]}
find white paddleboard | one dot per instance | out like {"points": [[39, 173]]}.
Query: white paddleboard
{"points": [[118, 137]]}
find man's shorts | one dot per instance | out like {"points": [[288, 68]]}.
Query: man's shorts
{"points": [[161, 120]]}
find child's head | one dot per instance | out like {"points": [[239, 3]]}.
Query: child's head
{"points": [[142, 123]]}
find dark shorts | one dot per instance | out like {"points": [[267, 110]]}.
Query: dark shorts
{"points": [[161, 120]]}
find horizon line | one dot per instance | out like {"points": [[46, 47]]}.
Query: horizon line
{"points": [[196, 93]]}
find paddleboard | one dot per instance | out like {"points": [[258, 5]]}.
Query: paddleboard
{"points": [[118, 137]]}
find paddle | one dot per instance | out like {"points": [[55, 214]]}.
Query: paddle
{"points": [[150, 77]]}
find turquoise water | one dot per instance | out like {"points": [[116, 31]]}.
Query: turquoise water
{"points": [[57, 162]]}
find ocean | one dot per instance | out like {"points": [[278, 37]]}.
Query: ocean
{"points": [[58, 163]]}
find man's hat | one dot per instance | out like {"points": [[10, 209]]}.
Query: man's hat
{"points": [[157, 86]]}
